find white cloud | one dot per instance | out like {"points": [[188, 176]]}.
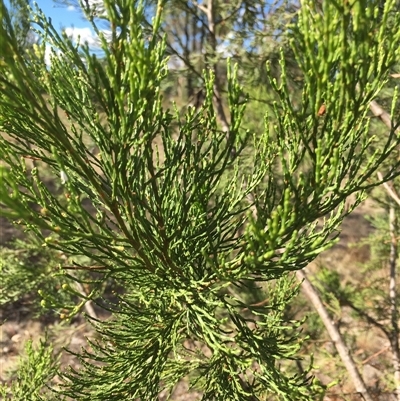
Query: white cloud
{"points": [[47, 55], [71, 8], [97, 6], [50, 53], [82, 34], [223, 48], [107, 34]]}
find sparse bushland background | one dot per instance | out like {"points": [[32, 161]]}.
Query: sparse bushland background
{"points": [[163, 204]]}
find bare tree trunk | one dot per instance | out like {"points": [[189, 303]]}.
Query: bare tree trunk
{"points": [[380, 113], [210, 13], [335, 335], [384, 116], [394, 338], [88, 304]]}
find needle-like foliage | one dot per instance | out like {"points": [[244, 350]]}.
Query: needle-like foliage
{"points": [[164, 205]]}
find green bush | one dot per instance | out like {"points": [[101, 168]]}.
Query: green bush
{"points": [[164, 207]]}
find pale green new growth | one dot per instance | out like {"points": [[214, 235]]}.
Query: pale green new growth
{"points": [[34, 371], [179, 223]]}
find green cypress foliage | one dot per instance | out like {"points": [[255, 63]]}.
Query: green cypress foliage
{"points": [[178, 223]]}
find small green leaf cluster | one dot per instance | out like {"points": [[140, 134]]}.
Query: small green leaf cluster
{"points": [[35, 370], [25, 268]]}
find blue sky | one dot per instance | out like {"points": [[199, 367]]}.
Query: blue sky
{"points": [[69, 18], [62, 16], [72, 20]]}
